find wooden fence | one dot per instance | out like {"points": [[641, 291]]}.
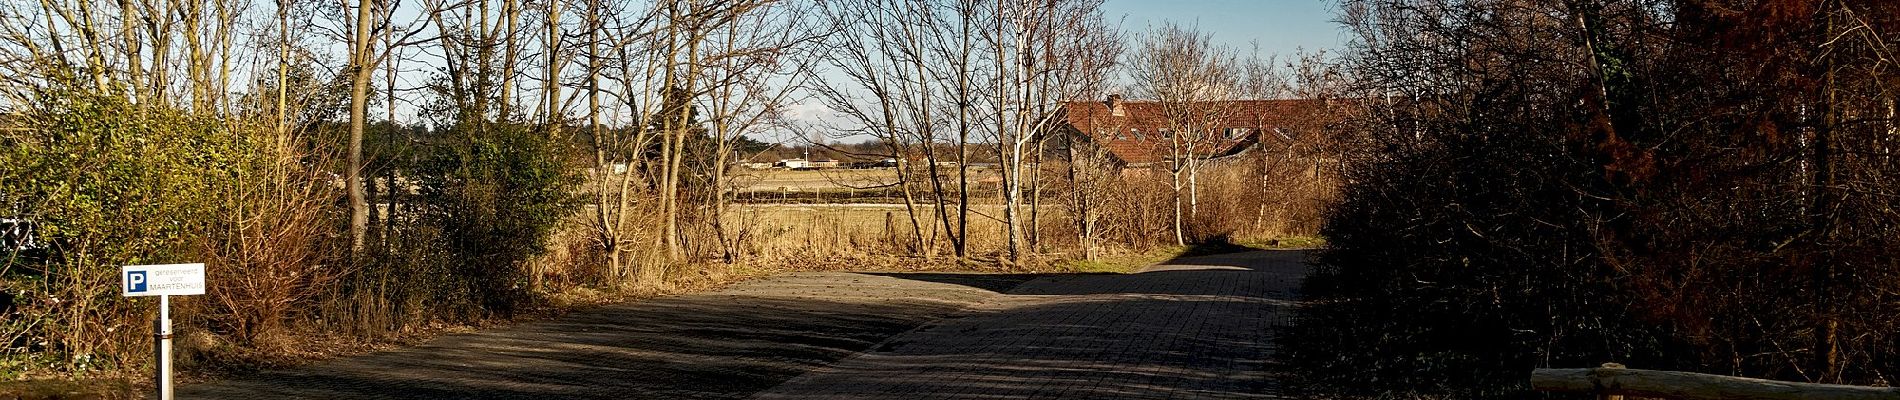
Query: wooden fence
{"points": [[1612, 382]]}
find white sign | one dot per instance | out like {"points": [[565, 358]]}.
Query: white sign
{"points": [[163, 280]]}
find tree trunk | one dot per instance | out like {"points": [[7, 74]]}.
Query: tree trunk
{"points": [[604, 170], [1180, 235], [1035, 202], [283, 70], [1194, 192], [359, 111], [964, 99], [511, 51], [552, 87]]}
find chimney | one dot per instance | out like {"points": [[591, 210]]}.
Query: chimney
{"points": [[1115, 105]]}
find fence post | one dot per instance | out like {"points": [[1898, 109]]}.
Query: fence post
{"points": [[1604, 393]]}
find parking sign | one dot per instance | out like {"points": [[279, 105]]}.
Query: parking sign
{"points": [[163, 280], [135, 282]]}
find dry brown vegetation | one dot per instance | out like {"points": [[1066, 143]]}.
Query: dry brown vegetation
{"points": [[1702, 186]]}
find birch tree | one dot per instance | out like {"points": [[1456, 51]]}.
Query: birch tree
{"points": [[1046, 53], [1193, 82], [990, 72]]}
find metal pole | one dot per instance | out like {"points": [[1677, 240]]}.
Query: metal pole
{"points": [[164, 347]]}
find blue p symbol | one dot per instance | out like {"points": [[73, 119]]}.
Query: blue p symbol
{"points": [[135, 281]]}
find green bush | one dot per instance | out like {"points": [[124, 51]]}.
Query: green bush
{"points": [[494, 193], [108, 183]]}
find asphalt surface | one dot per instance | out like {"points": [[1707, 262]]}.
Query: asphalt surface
{"points": [[1192, 328]]}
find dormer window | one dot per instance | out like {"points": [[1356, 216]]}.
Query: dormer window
{"points": [[1136, 132]]}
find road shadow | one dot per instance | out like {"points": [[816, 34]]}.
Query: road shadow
{"points": [[1197, 326], [1072, 336], [721, 345], [1201, 258]]}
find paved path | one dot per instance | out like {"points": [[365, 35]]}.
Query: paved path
{"points": [[719, 345], [1195, 328]]}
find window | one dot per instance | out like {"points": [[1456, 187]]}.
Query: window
{"points": [[1165, 133], [1238, 133], [1137, 133]]}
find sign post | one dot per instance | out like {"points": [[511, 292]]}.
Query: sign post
{"points": [[163, 281]]}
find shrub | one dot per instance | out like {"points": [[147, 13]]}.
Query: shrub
{"points": [[108, 183], [494, 192], [1545, 195]]}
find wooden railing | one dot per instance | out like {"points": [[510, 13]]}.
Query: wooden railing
{"points": [[1612, 382]]}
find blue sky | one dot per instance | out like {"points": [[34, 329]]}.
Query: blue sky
{"points": [[1279, 26]]}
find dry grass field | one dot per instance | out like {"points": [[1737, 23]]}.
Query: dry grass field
{"points": [[774, 180], [800, 231], [781, 180], [811, 215]]}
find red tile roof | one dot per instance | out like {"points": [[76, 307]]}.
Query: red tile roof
{"points": [[1133, 136]]}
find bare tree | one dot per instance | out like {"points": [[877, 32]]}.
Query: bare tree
{"points": [[759, 60], [884, 91], [1192, 81], [627, 53], [989, 72], [1047, 53], [555, 115]]}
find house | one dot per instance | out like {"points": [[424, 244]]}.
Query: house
{"points": [[793, 163], [1138, 133]]}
